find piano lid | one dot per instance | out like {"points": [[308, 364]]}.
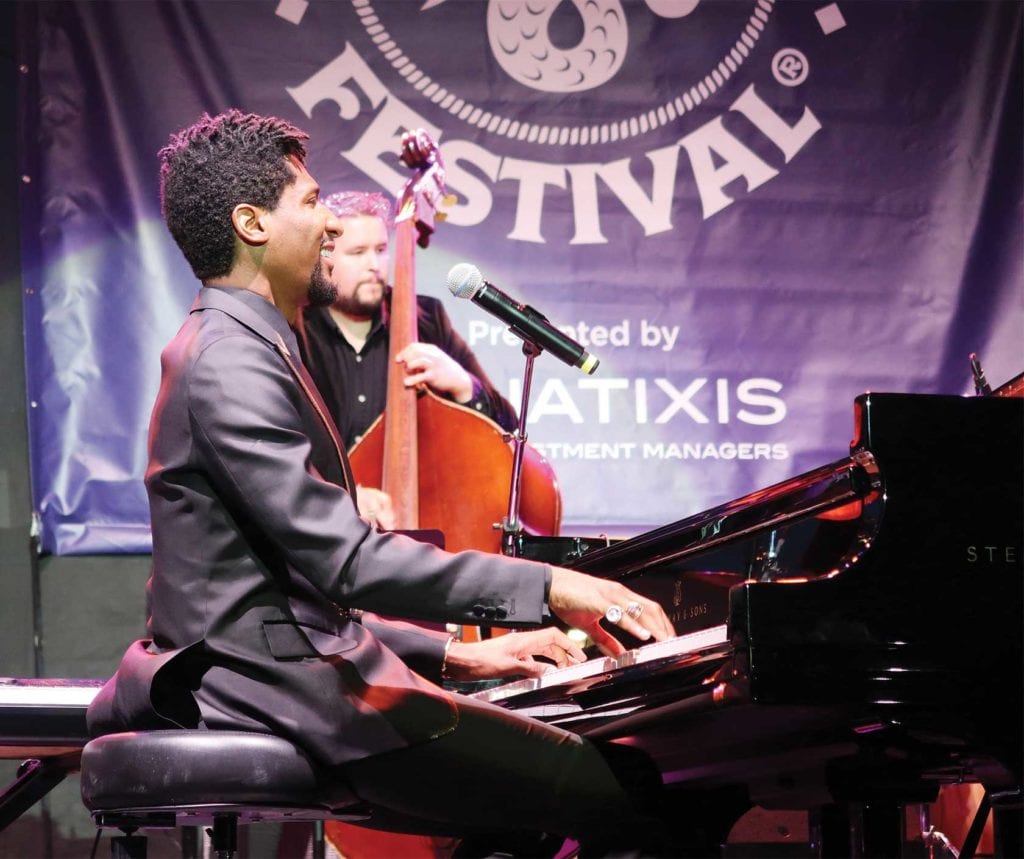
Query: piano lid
{"points": [[842, 490]]}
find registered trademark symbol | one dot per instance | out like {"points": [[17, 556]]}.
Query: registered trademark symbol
{"points": [[790, 67]]}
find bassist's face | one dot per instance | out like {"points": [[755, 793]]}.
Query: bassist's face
{"points": [[360, 268]]}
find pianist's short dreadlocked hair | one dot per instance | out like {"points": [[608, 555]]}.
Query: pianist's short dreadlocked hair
{"points": [[210, 167]]}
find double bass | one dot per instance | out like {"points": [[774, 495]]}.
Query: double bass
{"points": [[445, 466]]}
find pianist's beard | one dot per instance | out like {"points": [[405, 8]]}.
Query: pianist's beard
{"points": [[322, 292]]}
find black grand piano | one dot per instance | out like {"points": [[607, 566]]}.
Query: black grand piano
{"points": [[849, 638]]}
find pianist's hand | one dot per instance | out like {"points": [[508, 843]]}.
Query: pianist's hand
{"points": [[511, 654], [582, 601]]}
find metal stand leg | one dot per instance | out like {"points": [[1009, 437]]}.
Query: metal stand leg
{"points": [[510, 527], [319, 840], [35, 779], [973, 838], [190, 842], [1008, 831], [224, 836]]}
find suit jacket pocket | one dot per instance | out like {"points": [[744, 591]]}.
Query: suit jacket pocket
{"points": [[289, 640]]}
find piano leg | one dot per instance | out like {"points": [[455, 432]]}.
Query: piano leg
{"points": [[701, 820], [857, 830], [883, 828]]}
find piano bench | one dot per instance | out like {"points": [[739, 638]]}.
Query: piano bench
{"points": [[219, 779]]}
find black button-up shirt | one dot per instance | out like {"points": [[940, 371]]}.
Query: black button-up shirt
{"points": [[354, 384]]}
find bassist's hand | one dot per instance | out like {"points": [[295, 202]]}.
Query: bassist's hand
{"points": [[375, 506], [426, 364]]}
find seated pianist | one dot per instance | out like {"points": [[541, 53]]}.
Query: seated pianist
{"points": [[261, 558]]}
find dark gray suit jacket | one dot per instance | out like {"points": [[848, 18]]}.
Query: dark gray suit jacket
{"points": [[258, 552]]}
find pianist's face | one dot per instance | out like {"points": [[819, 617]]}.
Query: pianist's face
{"points": [[360, 265]]}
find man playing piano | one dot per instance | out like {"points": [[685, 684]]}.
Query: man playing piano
{"points": [[261, 562]]}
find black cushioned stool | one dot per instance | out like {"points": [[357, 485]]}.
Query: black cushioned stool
{"points": [[162, 779]]}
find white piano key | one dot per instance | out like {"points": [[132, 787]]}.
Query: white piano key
{"points": [[42, 693]]}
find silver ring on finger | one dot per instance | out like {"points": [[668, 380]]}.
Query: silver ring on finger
{"points": [[613, 614], [634, 610]]}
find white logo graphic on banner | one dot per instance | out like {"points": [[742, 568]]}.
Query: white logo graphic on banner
{"points": [[521, 43]]}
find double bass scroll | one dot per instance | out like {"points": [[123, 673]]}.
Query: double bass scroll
{"points": [[445, 466]]}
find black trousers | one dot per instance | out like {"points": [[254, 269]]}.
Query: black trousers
{"points": [[500, 772]]}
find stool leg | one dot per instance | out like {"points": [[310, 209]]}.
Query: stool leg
{"points": [[190, 842], [128, 847], [224, 836]]}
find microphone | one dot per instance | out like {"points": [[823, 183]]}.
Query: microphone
{"points": [[465, 281]]}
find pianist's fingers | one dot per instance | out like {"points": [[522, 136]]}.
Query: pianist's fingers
{"points": [[550, 642], [650, 620], [583, 601], [607, 643], [512, 654]]}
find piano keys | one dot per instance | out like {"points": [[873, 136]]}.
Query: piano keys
{"points": [[693, 649], [43, 723], [873, 616], [43, 717]]}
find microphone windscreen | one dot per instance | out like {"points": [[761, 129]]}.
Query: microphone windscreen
{"points": [[464, 280]]}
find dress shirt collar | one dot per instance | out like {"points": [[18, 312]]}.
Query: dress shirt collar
{"points": [[252, 310], [376, 326]]}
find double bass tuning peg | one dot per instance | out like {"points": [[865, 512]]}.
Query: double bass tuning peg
{"points": [[448, 200]]}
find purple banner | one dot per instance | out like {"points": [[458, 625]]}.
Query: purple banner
{"points": [[750, 211]]}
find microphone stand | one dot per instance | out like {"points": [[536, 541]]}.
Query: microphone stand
{"points": [[510, 525]]}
